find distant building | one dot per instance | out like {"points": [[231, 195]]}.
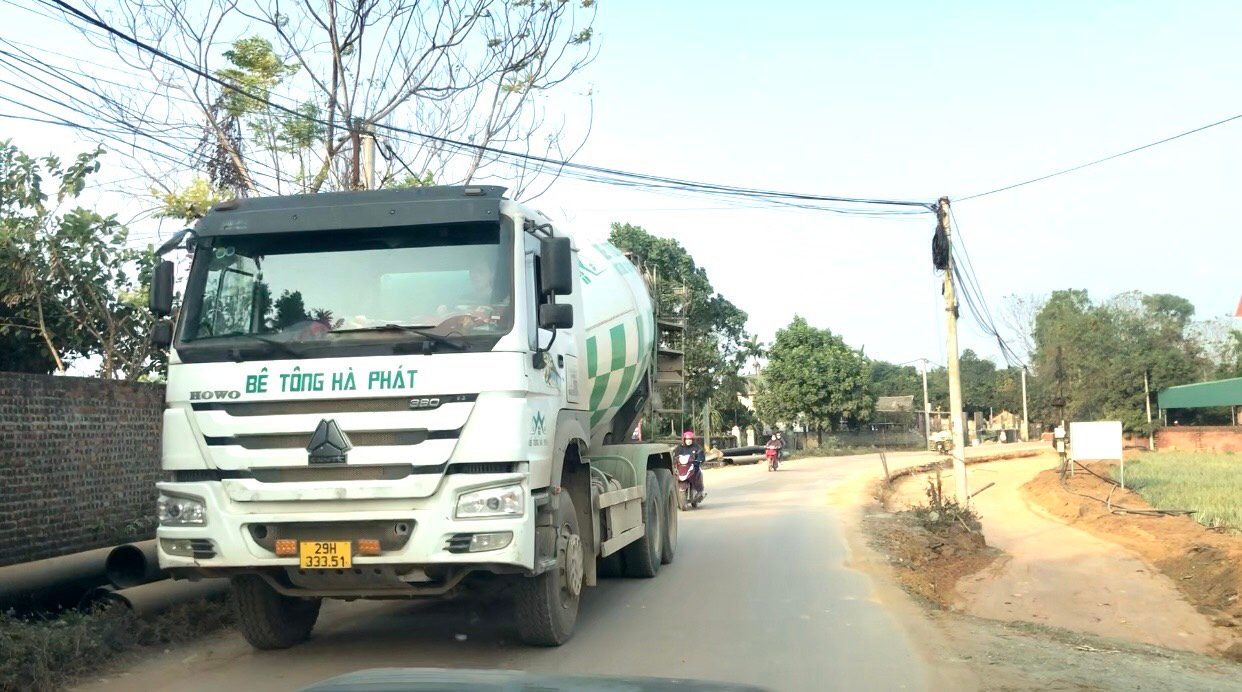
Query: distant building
{"points": [[894, 404]]}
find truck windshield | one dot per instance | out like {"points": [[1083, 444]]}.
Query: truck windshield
{"points": [[349, 288]]}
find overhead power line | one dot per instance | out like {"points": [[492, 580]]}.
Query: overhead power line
{"points": [[590, 173], [1099, 161]]}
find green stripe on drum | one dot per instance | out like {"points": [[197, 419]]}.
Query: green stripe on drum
{"points": [[626, 380], [592, 357], [598, 387], [597, 417], [616, 337]]}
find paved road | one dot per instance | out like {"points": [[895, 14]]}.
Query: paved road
{"points": [[759, 594]]}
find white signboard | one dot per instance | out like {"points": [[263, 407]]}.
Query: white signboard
{"points": [[1095, 440]]}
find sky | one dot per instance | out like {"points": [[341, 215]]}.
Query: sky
{"points": [[902, 100]]}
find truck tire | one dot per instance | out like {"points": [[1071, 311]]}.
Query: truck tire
{"points": [[269, 619], [642, 557], [546, 606], [610, 567], [669, 492]]}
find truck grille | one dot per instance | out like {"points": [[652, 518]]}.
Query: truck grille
{"points": [[383, 438], [458, 543], [392, 535]]}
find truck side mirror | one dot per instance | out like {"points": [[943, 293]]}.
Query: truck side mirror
{"points": [[162, 333], [556, 272], [556, 316], [161, 297]]}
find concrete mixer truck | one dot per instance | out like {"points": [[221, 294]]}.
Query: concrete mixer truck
{"points": [[406, 394]]}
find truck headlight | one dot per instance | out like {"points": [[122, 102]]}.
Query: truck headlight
{"points": [[179, 510], [506, 501]]}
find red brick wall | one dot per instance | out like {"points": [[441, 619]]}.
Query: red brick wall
{"points": [[1199, 439], [79, 459]]}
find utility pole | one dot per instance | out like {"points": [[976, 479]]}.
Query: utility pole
{"points": [[368, 159], [1026, 426], [1151, 434], [926, 406], [956, 422]]}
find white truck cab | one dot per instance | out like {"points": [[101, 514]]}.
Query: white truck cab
{"points": [[395, 394]]}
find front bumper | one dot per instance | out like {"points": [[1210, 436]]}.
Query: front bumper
{"points": [[234, 548]]}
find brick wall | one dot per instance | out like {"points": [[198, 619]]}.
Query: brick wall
{"points": [[1188, 438], [79, 459]]}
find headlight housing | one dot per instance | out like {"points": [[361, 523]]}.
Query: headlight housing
{"points": [[180, 510], [505, 501]]}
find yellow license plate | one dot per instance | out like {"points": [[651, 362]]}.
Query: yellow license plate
{"points": [[325, 554]]}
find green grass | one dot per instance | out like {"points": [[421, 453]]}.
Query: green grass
{"points": [[47, 653], [1210, 484]]}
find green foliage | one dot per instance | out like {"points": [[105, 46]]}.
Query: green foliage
{"points": [[1105, 349], [715, 328], [255, 70], [813, 377], [1231, 358], [70, 286], [409, 181], [189, 203], [1209, 484], [47, 654]]}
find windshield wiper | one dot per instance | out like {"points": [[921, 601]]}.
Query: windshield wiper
{"points": [[419, 329], [278, 345]]}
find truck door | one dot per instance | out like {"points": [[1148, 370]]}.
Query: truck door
{"points": [[559, 375]]}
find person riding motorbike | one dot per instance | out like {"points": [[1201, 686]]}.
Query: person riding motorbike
{"points": [[697, 456], [776, 444]]}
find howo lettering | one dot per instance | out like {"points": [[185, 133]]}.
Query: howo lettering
{"points": [[403, 394]]}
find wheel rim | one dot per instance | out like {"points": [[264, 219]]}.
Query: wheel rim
{"points": [[573, 569], [656, 537]]}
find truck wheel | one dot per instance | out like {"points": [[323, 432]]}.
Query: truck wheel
{"points": [[669, 492], [269, 619], [546, 606], [642, 557]]}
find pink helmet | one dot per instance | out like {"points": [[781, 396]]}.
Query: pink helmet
{"points": [[688, 435]]}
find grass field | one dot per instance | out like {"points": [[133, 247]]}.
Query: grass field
{"points": [[1211, 484]]}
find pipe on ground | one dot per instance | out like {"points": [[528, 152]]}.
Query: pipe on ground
{"points": [[133, 564], [159, 596], [54, 582]]}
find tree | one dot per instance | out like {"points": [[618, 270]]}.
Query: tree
{"points": [[1018, 319], [895, 380], [280, 95], [716, 339], [813, 377], [1096, 355], [69, 285]]}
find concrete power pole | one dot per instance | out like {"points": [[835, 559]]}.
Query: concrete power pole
{"points": [[1026, 426], [368, 160], [1151, 434], [926, 406], [956, 419]]}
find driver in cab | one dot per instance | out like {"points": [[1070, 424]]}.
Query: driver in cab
{"points": [[477, 309]]}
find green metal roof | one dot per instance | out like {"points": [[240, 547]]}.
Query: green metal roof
{"points": [[1202, 395]]}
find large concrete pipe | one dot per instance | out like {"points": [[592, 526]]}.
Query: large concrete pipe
{"points": [[133, 564], [54, 582], [159, 596]]}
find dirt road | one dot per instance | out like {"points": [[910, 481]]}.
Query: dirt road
{"points": [[760, 593], [1059, 574]]}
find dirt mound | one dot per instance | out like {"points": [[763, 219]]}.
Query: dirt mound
{"points": [[928, 557], [1203, 563]]}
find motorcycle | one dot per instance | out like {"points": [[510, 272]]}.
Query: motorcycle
{"points": [[774, 458], [687, 478]]}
